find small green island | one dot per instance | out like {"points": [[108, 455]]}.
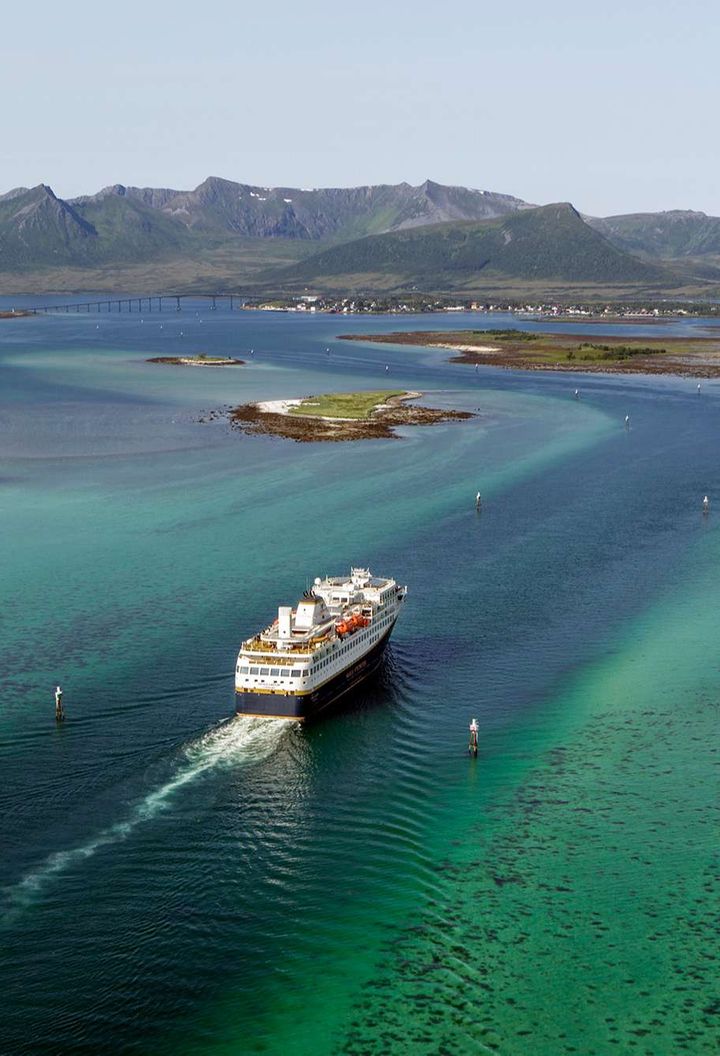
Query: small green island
{"points": [[339, 416], [532, 350], [200, 360]]}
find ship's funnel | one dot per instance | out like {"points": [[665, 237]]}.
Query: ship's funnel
{"points": [[284, 621], [310, 612]]}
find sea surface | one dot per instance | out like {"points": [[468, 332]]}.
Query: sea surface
{"points": [[174, 880]]}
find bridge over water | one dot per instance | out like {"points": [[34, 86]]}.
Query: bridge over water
{"points": [[154, 303]]}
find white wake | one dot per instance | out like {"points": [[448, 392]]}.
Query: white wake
{"points": [[239, 741]]}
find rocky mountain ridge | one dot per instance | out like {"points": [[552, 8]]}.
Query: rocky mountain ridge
{"points": [[223, 232]]}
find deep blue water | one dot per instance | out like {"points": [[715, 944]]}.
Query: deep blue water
{"points": [[176, 880]]}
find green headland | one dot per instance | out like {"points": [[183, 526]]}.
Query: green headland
{"points": [[525, 350]]}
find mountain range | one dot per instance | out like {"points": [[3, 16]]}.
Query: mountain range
{"points": [[225, 235]]}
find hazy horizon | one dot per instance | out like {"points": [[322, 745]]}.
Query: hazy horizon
{"points": [[612, 111]]}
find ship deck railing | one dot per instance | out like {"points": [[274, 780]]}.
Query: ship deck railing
{"points": [[272, 647], [258, 645]]}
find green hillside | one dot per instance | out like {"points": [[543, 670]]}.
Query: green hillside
{"points": [[670, 235], [38, 229], [127, 230], [548, 243]]}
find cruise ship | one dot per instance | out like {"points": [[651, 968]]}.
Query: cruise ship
{"points": [[315, 653]]}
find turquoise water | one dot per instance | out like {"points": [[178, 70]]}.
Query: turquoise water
{"points": [[175, 880]]}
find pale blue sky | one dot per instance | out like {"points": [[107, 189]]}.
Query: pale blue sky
{"points": [[612, 106]]}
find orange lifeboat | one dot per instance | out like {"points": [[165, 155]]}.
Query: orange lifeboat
{"points": [[351, 623]]}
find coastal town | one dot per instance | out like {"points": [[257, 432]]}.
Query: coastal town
{"points": [[414, 304]]}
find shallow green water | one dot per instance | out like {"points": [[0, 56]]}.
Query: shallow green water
{"points": [[576, 910], [180, 881]]}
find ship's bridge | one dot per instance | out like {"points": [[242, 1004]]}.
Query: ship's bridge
{"points": [[360, 586], [329, 603]]}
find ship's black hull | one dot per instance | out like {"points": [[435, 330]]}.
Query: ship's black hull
{"points": [[303, 706]]}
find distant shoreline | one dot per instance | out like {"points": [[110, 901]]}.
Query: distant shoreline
{"points": [[566, 352]]}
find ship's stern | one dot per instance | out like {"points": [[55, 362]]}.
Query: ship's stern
{"points": [[273, 705]]}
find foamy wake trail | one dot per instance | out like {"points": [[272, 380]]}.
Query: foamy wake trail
{"points": [[236, 742]]}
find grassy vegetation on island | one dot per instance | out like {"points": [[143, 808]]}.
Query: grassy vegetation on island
{"points": [[337, 416], [200, 360], [531, 350], [356, 405]]}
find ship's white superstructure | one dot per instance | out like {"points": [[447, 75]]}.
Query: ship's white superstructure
{"points": [[317, 651]]}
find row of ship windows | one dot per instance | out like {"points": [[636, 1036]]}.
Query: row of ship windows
{"points": [[274, 672], [358, 638]]}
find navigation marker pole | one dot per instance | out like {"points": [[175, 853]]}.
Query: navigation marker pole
{"points": [[473, 745]]}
